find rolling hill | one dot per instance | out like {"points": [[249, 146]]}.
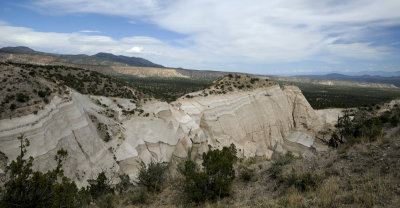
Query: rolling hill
{"points": [[106, 59]]}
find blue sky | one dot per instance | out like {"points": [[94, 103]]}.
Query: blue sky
{"points": [[284, 37]]}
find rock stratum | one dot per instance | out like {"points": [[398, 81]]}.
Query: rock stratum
{"points": [[115, 134]]}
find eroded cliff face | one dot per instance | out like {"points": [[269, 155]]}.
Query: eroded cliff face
{"points": [[260, 122], [64, 123]]}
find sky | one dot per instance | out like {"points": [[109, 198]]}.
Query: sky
{"points": [[281, 37]]}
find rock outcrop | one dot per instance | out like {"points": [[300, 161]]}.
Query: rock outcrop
{"points": [[260, 122], [63, 123]]}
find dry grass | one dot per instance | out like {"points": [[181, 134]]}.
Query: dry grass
{"points": [[363, 175]]}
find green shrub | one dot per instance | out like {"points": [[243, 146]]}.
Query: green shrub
{"points": [[107, 137], [216, 178], [65, 194], [345, 126], [32, 73], [106, 201], [303, 182], [196, 183], [218, 164], [356, 130], [42, 93], [394, 120], [370, 131], [251, 160], [13, 106], [247, 174], [28, 188], [138, 196], [334, 141], [9, 98], [253, 80], [21, 97], [124, 184], [152, 176], [99, 186], [276, 168]]}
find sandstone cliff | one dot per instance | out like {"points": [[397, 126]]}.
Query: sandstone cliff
{"points": [[259, 121]]}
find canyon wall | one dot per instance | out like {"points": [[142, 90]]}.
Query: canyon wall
{"points": [[260, 122]]}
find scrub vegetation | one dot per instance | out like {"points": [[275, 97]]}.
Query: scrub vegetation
{"points": [[325, 96]]}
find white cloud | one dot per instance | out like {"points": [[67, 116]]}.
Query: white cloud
{"points": [[73, 43], [358, 50], [89, 31], [276, 31], [126, 8], [136, 49], [141, 39], [256, 31]]}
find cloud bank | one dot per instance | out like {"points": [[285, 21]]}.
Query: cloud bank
{"points": [[256, 31]]}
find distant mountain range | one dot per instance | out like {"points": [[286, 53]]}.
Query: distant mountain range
{"points": [[104, 62], [116, 65], [131, 61], [18, 49], [374, 73], [97, 59], [395, 80]]}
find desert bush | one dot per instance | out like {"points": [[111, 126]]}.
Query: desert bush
{"points": [[196, 182], [394, 120], [276, 168], [216, 178], [13, 106], [152, 176], [253, 80], [21, 97], [99, 186], [9, 98], [106, 201], [44, 93], [138, 196], [303, 182], [28, 188], [247, 174], [359, 130], [124, 184], [292, 199], [345, 126], [334, 141], [107, 137], [251, 160]]}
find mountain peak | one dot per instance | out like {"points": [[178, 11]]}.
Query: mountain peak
{"points": [[131, 61], [85, 59], [103, 54], [17, 49]]}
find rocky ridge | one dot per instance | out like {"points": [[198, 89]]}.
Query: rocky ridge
{"points": [[115, 134]]}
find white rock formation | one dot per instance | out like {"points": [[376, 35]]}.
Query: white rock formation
{"points": [[63, 123], [259, 122]]}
